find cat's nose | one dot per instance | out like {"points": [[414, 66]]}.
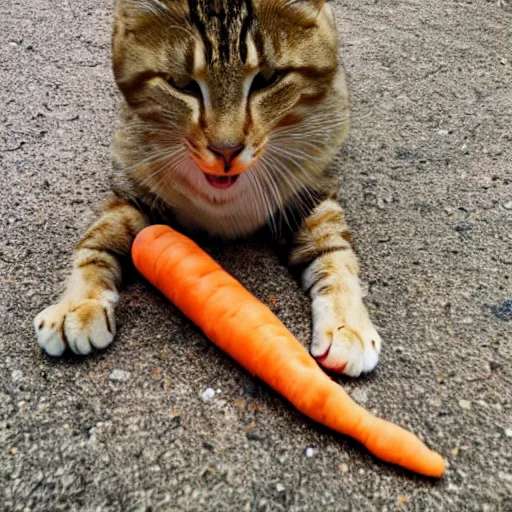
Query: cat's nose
{"points": [[227, 152]]}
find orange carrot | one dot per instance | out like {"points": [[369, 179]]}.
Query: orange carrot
{"points": [[249, 332]]}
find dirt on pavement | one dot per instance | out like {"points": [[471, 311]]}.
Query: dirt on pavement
{"points": [[427, 186]]}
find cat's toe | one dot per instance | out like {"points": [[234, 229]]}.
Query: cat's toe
{"points": [[346, 349], [81, 326], [89, 325], [49, 329]]}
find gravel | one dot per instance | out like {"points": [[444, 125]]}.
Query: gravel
{"points": [[426, 175], [120, 376]]}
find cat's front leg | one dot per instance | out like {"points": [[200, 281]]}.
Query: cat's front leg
{"points": [[344, 338], [83, 318]]}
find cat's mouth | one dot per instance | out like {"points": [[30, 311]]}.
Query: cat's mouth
{"points": [[222, 182]]}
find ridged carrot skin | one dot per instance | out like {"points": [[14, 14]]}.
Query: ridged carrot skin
{"points": [[250, 333]]}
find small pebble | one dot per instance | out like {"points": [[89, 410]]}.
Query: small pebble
{"points": [[508, 206], [280, 488], [119, 376], [343, 468], [494, 365], [360, 395], [452, 488], [208, 394], [465, 404], [16, 375], [508, 432], [254, 435], [309, 452]]}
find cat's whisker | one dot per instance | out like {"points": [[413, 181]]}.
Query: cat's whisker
{"points": [[308, 139], [294, 154], [154, 176], [262, 201], [154, 157], [171, 117], [270, 201], [358, 116], [165, 124], [275, 191], [298, 187], [158, 138], [141, 127], [168, 116], [293, 189], [279, 203], [314, 121], [306, 130], [169, 164], [305, 163], [291, 144], [312, 139], [174, 167], [277, 155]]}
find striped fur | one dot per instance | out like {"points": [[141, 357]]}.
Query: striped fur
{"points": [[344, 338], [262, 76], [84, 319], [291, 131], [223, 27]]}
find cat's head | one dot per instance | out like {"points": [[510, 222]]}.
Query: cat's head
{"points": [[230, 86]]}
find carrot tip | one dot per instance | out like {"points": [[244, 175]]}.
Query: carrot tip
{"points": [[431, 464], [438, 465]]}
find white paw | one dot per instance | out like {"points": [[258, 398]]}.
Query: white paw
{"points": [[344, 339], [81, 325]]}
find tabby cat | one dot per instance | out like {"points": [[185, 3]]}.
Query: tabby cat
{"points": [[232, 112]]}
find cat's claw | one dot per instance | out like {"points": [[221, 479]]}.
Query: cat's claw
{"points": [[82, 326]]}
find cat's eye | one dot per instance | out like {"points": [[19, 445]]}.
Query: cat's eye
{"points": [[264, 79], [186, 86]]}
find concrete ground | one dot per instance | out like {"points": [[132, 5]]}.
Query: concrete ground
{"points": [[427, 184]]}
